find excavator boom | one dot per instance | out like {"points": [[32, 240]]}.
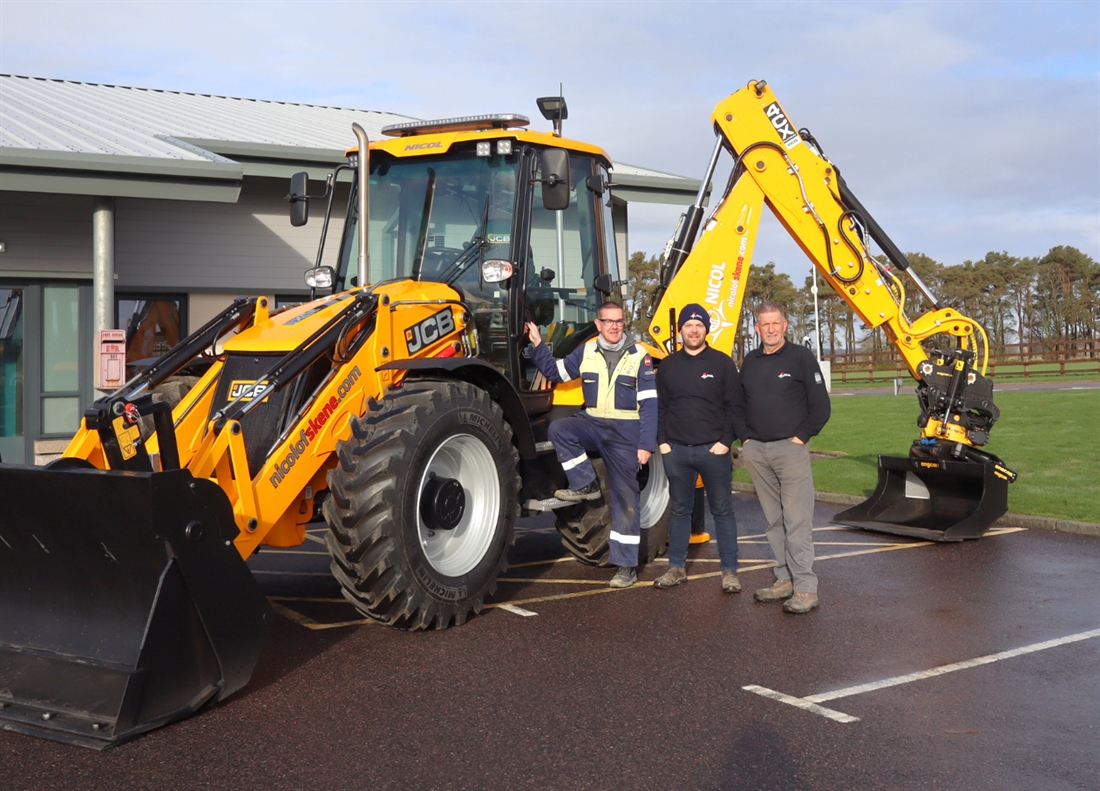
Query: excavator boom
{"points": [[783, 168]]}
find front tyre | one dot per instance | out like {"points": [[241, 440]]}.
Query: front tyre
{"points": [[424, 500]]}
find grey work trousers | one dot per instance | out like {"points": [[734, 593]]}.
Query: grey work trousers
{"points": [[781, 473]]}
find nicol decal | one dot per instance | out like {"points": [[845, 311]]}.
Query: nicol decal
{"points": [[296, 446]]}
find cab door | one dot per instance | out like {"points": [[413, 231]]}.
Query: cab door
{"points": [[567, 250]]}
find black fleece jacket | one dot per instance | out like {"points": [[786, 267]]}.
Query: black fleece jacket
{"points": [[784, 395], [695, 398]]}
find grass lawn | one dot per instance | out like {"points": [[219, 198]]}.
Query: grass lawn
{"points": [[1051, 438]]}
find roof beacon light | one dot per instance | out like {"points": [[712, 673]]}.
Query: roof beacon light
{"points": [[465, 123]]}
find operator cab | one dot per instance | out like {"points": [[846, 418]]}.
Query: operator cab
{"points": [[482, 207]]}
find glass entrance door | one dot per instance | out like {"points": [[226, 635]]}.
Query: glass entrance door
{"points": [[11, 374]]}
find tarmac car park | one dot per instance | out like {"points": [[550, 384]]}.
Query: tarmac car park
{"points": [[969, 665]]}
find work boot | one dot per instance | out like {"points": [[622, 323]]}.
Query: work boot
{"points": [[801, 602], [780, 590], [624, 577], [676, 575], [730, 583], [590, 491]]}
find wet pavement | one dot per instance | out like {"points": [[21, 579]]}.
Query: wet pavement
{"points": [[576, 686]]}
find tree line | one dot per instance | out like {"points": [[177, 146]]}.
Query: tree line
{"points": [[1055, 298]]}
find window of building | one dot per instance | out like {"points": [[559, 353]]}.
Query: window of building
{"points": [[154, 323]]}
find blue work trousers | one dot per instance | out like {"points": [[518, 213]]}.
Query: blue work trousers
{"points": [[682, 465], [616, 441]]}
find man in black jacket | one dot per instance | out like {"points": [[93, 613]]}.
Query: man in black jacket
{"points": [[784, 403], [696, 390]]}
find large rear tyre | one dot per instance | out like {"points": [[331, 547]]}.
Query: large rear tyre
{"points": [[586, 527], [424, 500]]}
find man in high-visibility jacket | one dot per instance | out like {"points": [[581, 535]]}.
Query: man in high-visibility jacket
{"points": [[619, 422]]}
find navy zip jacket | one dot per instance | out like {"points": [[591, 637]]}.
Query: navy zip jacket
{"points": [[784, 395]]}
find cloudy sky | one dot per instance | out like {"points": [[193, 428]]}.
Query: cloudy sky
{"points": [[964, 127]]}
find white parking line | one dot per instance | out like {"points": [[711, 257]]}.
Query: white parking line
{"points": [[810, 702], [515, 610]]}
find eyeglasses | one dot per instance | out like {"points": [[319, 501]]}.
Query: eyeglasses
{"points": [[612, 322]]}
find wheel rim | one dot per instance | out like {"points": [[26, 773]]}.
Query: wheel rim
{"points": [[654, 497], [467, 460]]}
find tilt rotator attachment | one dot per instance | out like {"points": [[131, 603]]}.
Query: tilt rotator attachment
{"points": [[946, 489]]}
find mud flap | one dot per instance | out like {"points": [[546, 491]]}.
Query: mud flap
{"points": [[938, 501], [125, 604]]}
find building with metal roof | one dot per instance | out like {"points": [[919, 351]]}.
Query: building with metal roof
{"points": [[115, 198], [61, 136]]}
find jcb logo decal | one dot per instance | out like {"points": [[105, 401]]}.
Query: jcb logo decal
{"points": [[429, 330], [245, 389], [782, 125]]}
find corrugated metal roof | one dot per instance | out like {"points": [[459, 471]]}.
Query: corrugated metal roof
{"points": [[91, 118], [89, 129]]}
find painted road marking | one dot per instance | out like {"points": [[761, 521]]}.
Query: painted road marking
{"points": [[306, 621], [801, 703], [809, 703], [539, 562], [760, 564], [514, 609]]}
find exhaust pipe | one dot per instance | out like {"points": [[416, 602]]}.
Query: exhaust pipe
{"points": [[363, 175]]}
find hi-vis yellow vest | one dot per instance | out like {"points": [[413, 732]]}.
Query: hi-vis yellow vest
{"points": [[615, 397]]}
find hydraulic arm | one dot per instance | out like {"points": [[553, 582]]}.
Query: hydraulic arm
{"points": [[785, 169]]}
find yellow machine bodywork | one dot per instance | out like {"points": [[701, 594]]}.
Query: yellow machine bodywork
{"points": [[274, 506]]}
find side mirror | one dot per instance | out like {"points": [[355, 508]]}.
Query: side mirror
{"points": [[603, 284], [299, 202], [555, 179], [596, 184]]}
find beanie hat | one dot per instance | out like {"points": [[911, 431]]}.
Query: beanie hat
{"points": [[693, 311]]}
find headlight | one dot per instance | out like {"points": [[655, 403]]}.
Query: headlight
{"points": [[320, 277]]}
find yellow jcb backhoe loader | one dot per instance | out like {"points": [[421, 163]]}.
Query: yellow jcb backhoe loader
{"points": [[400, 404], [403, 410]]}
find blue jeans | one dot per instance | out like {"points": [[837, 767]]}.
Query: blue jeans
{"points": [[682, 465]]}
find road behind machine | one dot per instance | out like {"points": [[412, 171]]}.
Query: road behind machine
{"points": [[400, 404]]}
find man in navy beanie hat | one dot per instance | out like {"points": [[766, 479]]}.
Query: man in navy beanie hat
{"points": [[697, 389]]}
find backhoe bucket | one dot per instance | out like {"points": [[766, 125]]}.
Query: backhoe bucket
{"points": [[124, 605], [938, 501]]}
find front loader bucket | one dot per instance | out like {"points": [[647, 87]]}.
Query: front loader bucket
{"points": [[939, 501], [124, 605]]}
